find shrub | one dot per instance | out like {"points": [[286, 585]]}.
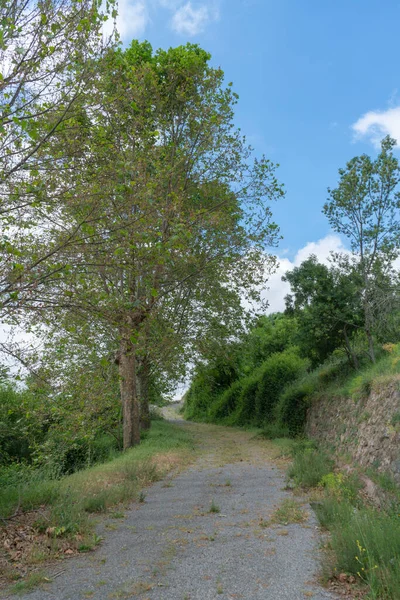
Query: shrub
{"points": [[332, 511], [291, 409], [198, 399], [226, 402], [244, 413], [368, 546], [277, 372]]}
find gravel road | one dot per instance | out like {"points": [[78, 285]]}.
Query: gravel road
{"points": [[171, 547]]}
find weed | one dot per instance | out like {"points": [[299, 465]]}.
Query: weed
{"points": [[341, 486], [117, 515], [395, 420], [97, 503], [290, 511], [142, 497], [30, 583], [309, 467], [85, 548], [364, 543], [214, 508], [274, 430]]}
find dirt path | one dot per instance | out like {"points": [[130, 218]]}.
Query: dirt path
{"points": [[172, 547]]}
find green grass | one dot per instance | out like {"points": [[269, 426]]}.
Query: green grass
{"points": [[360, 384], [273, 430], [214, 508], [290, 511], [101, 486], [66, 503], [365, 543], [29, 583], [309, 467]]}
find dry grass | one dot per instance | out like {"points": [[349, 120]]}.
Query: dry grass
{"points": [[63, 528], [290, 511]]}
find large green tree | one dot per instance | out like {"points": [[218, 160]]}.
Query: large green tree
{"points": [[175, 199], [365, 208], [327, 306], [47, 53]]}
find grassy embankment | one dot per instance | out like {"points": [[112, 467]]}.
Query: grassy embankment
{"points": [[57, 513], [364, 541], [364, 545]]}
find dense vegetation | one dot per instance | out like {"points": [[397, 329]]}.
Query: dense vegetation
{"points": [[269, 378]]}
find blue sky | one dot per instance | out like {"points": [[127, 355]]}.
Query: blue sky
{"points": [[318, 80]]}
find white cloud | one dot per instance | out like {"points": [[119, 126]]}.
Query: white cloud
{"points": [[277, 289], [189, 20], [375, 125], [131, 21]]}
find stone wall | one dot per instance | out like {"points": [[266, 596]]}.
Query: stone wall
{"points": [[365, 430]]}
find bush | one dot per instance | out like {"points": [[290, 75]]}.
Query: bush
{"points": [[16, 428], [273, 431], [250, 400], [277, 372], [226, 403], [244, 413], [291, 409], [198, 399], [332, 511]]}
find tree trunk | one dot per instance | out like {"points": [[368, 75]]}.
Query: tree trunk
{"points": [[368, 319], [350, 350], [143, 376], [129, 399], [368, 322]]}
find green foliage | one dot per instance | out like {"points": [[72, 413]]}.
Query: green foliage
{"points": [[291, 409], [274, 431], [309, 467], [244, 411], [365, 543], [365, 208], [278, 371], [327, 307], [226, 403], [359, 384], [271, 334], [93, 489], [242, 385]]}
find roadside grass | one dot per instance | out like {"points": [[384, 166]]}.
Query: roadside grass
{"points": [[386, 369], [103, 485], [29, 583], [365, 543], [309, 467], [364, 540], [59, 510], [288, 512], [214, 508]]}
